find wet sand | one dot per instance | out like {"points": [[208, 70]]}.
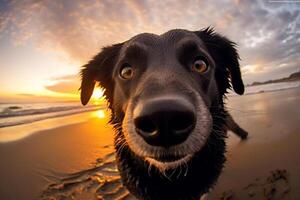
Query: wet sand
{"points": [[77, 161], [273, 122], [29, 165]]}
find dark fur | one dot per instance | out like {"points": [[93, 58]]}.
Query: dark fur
{"points": [[206, 165]]}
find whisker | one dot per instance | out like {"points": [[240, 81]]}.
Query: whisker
{"points": [[179, 172]]}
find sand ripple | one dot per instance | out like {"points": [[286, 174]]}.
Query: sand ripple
{"points": [[99, 182]]}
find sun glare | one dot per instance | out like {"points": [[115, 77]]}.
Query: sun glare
{"points": [[98, 93], [100, 114]]}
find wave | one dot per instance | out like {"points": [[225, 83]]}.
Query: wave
{"points": [[14, 111], [256, 89], [13, 115], [272, 87]]}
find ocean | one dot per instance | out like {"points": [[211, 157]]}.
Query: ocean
{"points": [[271, 87], [26, 113]]}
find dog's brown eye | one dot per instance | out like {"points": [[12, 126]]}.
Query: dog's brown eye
{"points": [[126, 72], [200, 66]]}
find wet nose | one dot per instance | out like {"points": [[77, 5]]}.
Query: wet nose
{"points": [[164, 122]]}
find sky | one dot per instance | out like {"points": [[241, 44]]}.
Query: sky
{"points": [[43, 44]]}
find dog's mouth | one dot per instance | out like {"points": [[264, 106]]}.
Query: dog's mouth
{"points": [[168, 158], [168, 161]]}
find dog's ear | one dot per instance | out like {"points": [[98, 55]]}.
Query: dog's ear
{"points": [[99, 69], [226, 58]]}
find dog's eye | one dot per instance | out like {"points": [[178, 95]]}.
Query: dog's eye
{"points": [[126, 72], [200, 66]]}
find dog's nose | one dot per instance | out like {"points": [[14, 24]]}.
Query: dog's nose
{"points": [[164, 122]]}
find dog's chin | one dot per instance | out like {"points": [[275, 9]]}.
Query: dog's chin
{"points": [[168, 163]]}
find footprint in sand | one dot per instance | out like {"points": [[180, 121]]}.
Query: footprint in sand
{"points": [[275, 187]]}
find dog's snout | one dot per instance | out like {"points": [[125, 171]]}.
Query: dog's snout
{"points": [[164, 122]]}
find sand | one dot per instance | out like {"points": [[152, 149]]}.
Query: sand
{"points": [[273, 122], [77, 161], [26, 164]]}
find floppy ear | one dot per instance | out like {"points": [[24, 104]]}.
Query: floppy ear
{"points": [[226, 58], [99, 69]]}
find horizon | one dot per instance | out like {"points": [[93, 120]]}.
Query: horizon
{"points": [[44, 44]]}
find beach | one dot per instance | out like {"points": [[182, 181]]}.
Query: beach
{"points": [[272, 120], [76, 161]]}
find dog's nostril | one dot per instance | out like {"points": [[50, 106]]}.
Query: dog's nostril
{"points": [[145, 125], [164, 122], [182, 122]]}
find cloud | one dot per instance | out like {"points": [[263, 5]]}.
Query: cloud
{"points": [[68, 84], [267, 33], [69, 87]]}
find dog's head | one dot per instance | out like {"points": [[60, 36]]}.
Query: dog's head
{"points": [[161, 89]]}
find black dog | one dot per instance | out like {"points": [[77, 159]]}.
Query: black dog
{"points": [[166, 96]]}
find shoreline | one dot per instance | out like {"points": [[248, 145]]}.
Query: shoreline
{"points": [[14, 133], [232, 94], [46, 123], [60, 114]]}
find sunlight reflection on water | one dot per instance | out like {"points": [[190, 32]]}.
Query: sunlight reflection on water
{"points": [[100, 114]]}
